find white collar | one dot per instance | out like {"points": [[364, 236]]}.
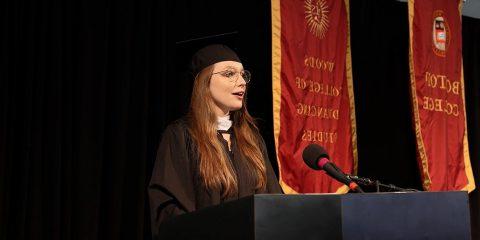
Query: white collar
{"points": [[224, 123]]}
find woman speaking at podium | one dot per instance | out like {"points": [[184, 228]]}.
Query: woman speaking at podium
{"points": [[215, 153]]}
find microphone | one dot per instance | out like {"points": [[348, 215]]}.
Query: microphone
{"points": [[316, 157]]}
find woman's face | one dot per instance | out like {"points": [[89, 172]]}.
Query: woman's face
{"points": [[227, 87]]}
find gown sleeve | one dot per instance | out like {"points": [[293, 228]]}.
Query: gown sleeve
{"points": [[273, 185], [171, 190]]}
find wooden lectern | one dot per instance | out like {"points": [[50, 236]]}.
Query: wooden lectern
{"points": [[419, 215]]}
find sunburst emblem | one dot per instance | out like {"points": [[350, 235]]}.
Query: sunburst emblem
{"points": [[317, 18]]}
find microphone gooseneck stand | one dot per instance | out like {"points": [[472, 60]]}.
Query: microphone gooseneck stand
{"points": [[368, 182]]}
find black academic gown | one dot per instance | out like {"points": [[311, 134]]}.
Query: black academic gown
{"points": [[175, 186]]}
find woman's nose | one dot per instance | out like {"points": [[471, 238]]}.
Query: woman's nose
{"points": [[241, 80]]}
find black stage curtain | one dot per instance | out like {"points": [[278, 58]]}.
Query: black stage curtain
{"points": [[471, 66], [87, 88], [76, 78]]}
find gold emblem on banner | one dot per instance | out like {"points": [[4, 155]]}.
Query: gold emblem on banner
{"points": [[440, 34], [316, 13]]}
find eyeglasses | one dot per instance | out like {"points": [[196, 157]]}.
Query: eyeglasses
{"points": [[232, 75]]}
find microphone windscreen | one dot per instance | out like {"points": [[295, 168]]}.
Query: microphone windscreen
{"points": [[312, 153]]}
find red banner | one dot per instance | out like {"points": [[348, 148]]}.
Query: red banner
{"points": [[312, 90], [436, 77]]}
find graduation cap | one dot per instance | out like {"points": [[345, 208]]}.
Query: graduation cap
{"points": [[193, 55]]}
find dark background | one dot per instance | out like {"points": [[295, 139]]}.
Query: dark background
{"points": [[87, 88]]}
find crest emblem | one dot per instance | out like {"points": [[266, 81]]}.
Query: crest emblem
{"points": [[440, 34], [316, 13]]}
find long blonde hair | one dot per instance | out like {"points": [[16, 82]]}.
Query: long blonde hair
{"points": [[216, 170]]}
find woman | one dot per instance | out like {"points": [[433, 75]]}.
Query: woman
{"points": [[214, 154]]}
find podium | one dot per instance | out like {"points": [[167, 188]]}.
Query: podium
{"points": [[419, 215]]}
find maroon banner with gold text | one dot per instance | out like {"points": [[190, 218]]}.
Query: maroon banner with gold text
{"points": [[312, 91], [436, 77]]}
